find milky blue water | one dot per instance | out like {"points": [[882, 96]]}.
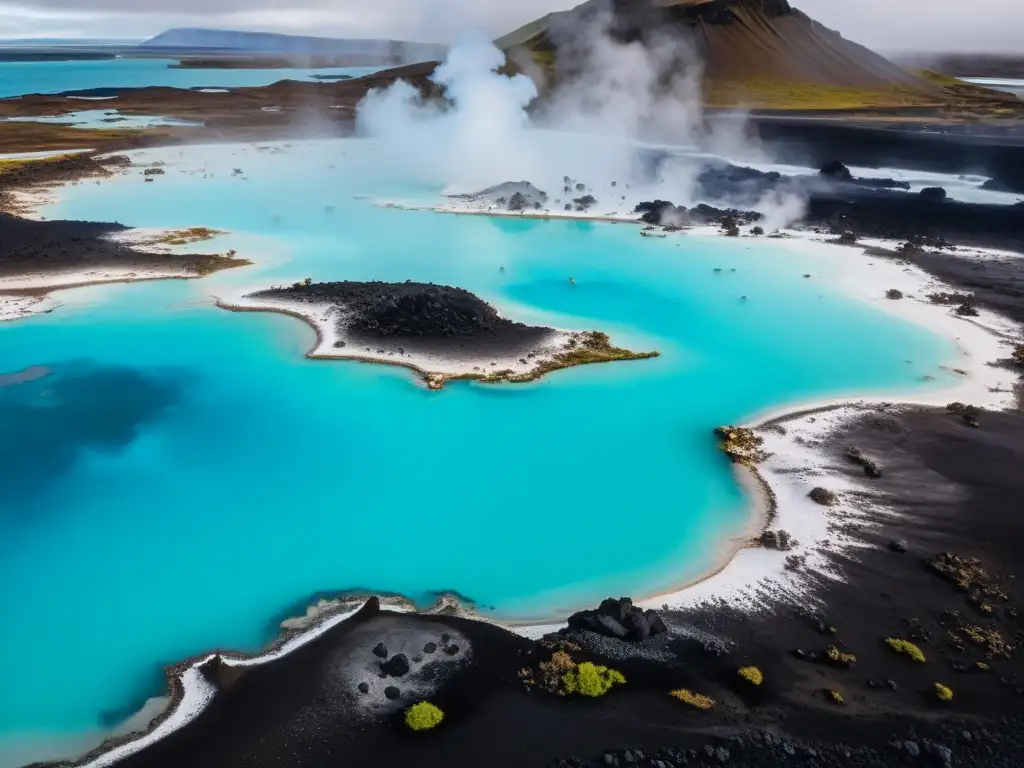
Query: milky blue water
{"points": [[21, 77], [183, 475], [1014, 86], [103, 118]]}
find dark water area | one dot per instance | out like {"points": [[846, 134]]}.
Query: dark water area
{"points": [[51, 421]]}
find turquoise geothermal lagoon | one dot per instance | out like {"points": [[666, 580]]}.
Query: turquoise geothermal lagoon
{"points": [[182, 478]]}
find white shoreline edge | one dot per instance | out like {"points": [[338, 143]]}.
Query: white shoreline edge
{"points": [[792, 470], [435, 370]]}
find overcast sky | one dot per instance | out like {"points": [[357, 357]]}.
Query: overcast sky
{"points": [[979, 25]]}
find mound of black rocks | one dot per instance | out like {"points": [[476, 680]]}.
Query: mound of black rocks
{"points": [[665, 214], [406, 310], [621, 619], [836, 171]]}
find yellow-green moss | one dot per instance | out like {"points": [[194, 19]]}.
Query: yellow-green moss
{"points": [[589, 679], [907, 648], [423, 716], [836, 698], [838, 657], [695, 700], [752, 675], [942, 692]]}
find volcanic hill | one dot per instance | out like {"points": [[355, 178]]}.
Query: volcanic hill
{"points": [[756, 53]]}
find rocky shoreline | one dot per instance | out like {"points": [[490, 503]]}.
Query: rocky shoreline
{"points": [[442, 333]]}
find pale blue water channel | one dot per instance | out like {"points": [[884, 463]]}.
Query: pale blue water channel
{"points": [[18, 78], [183, 475]]}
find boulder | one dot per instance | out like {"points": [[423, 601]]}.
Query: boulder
{"points": [[380, 650], [392, 693], [836, 170], [655, 622], [364, 687], [898, 545], [616, 609], [396, 666], [822, 496], [430, 647], [619, 618], [637, 626], [611, 627], [933, 194]]}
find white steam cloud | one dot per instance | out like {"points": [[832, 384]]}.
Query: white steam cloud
{"points": [[482, 138], [624, 119]]}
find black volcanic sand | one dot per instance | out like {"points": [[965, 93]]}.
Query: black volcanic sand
{"points": [[30, 247], [954, 489], [416, 317], [996, 282]]}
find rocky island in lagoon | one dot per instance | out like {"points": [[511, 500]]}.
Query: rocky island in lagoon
{"points": [[870, 599]]}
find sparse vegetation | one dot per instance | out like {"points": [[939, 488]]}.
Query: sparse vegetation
{"points": [[767, 93], [183, 236], [948, 298], [981, 666], [907, 648], [970, 576], [581, 349], [695, 700], [563, 676], [1018, 355], [211, 264], [837, 656], [823, 496], [423, 716], [589, 679], [752, 675], [942, 692], [835, 697], [991, 640], [742, 445]]}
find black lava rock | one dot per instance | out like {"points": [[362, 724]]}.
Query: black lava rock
{"points": [[396, 666], [933, 194], [898, 545], [619, 618], [364, 687], [609, 626], [380, 650], [655, 622], [637, 627], [836, 170], [391, 692], [430, 647]]}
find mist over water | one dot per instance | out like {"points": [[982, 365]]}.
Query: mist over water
{"points": [[610, 118]]}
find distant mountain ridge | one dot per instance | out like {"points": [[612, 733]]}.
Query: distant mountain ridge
{"points": [[271, 44]]}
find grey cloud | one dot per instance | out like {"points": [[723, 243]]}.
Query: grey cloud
{"points": [[983, 25]]}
